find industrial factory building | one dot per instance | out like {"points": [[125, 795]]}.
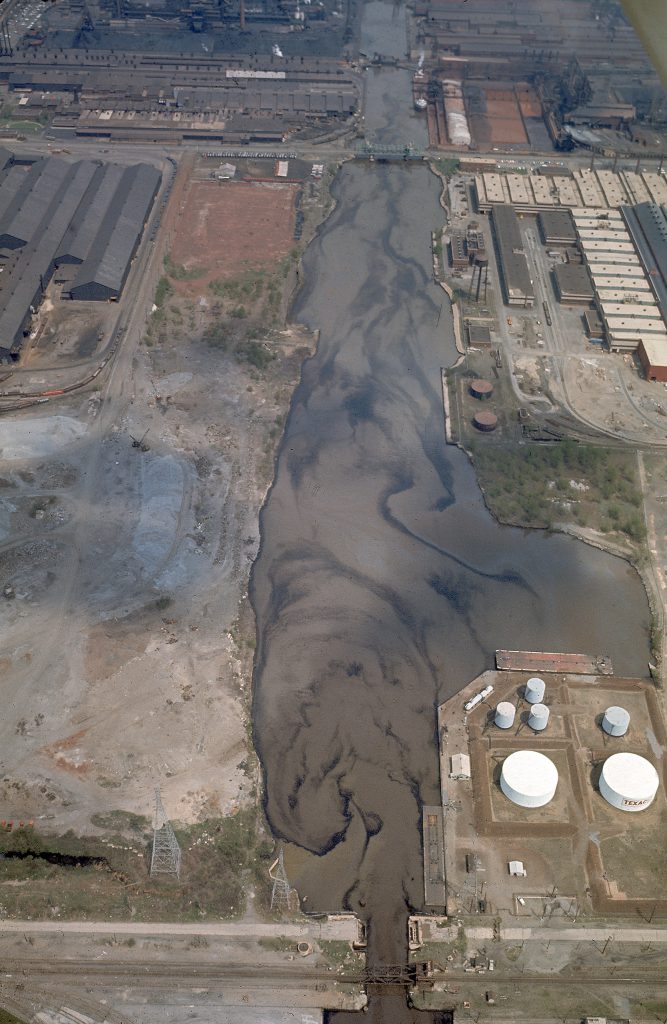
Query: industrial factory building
{"points": [[512, 263], [54, 213], [592, 190], [572, 284], [627, 295], [556, 227]]}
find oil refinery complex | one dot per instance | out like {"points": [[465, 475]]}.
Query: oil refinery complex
{"points": [[551, 763]]}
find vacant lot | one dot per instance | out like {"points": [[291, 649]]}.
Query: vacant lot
{"points": [[231, 227]]}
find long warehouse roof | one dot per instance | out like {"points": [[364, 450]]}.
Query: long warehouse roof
{"points": [[108, 259]]}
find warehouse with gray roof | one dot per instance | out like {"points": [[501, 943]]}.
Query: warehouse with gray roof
{"points": [[512, 263], [54, 212], [107, 264]]}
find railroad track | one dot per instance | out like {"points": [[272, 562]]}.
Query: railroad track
{"points": [[179, 972]]}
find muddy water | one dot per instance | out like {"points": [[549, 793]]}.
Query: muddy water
{"points": [[382, 584]]}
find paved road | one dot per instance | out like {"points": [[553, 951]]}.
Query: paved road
{"points": [[343, 927]]}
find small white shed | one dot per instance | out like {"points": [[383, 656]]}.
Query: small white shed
{"points": [[460, 766]]}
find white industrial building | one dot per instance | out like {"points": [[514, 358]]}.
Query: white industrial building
{"points": [[628, 782], [528, 779], [624, 295], [460, 767]]}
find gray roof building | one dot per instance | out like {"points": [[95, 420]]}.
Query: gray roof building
{"points": [[573, 284], [92, 210], [34, 266], [103, 273], [83, 212], [557, 227], [512, 262], [24, 215]]}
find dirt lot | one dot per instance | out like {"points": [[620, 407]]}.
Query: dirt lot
{"points": [[127, 641], [227, 228], [496, 118]]}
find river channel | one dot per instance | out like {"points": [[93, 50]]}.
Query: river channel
{"points": [[383, 585]]}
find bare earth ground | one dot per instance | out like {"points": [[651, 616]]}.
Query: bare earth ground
{"points": [[230, 227], [126, 651]]}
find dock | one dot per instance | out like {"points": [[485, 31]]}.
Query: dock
{"points": [[543, 661], [434, 856]]}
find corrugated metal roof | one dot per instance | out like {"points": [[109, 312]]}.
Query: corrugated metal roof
{"points": [[510, 250], [108, 260], [26, 213], [86, 222], [35, 263]]}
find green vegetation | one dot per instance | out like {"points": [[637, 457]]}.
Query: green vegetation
{"points": [[277, 943], [162, 292], [447, 166], [540, 485], [221, 858], [9, 1018], [338, 952], [177, 272], [18, 125], [256, 353], [121, 821]]}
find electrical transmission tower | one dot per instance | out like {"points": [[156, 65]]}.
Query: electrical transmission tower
{"points": [[282, 896], [166, 858]]}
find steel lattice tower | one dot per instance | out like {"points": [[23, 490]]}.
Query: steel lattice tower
{"points": [[166, 858], [281, 894]]}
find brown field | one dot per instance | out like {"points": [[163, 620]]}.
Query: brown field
{"points": [[501, 121], [229, 228]]}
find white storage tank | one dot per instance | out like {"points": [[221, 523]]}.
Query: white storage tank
{"points": [[615, 721], [528, 778], [534, 692], [505, 713], [539, 717], [628, 782]]}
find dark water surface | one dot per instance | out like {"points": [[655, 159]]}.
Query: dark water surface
{"points": [[382, 584]]}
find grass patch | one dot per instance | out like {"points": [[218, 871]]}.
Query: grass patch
{"points": [[177, 272], [540, 485], [162, 292], [221, 859], [122, 821], [338, 952], [448, 166], [9, 1018]]}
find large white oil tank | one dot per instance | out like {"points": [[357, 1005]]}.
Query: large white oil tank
{"points": [[528, 779], [457, 122], [505, 713], [539, 717], [615, 721], [628, 782], [534, 692]]}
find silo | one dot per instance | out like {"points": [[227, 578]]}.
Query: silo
{"points": [[481, 389], [485, 421], [628, 782], [615, 721], [534, 692], [539, 717], [505, 713], [528, 779]]}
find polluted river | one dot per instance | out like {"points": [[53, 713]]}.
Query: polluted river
{"points": [[383, 585]]}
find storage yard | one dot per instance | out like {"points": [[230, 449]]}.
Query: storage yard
{"points": [[605, 863]]}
